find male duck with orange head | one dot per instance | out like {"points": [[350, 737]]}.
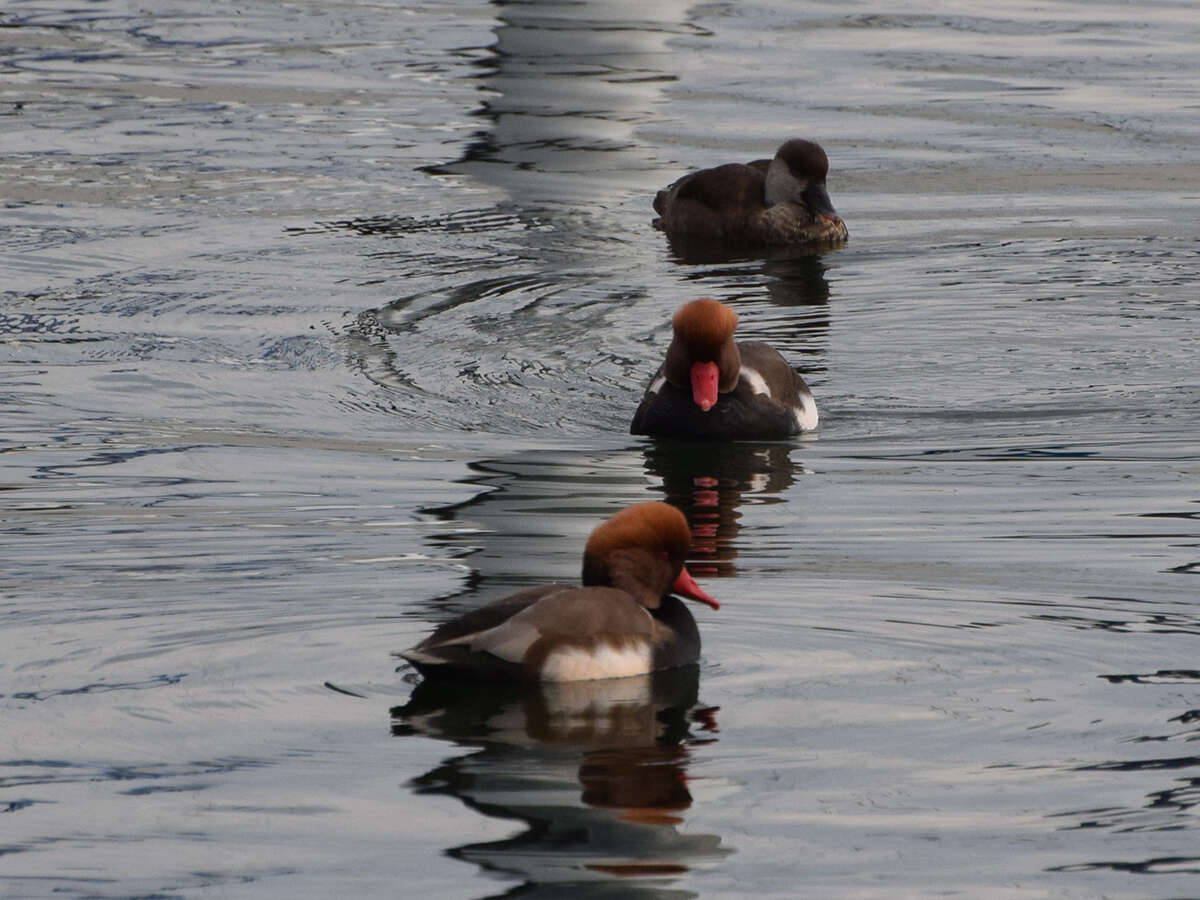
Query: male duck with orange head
{"points": [[711, 386], [624, 620]]}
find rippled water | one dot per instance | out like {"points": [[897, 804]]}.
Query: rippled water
{"points": [[324, 321]]}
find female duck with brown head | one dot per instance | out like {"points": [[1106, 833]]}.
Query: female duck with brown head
{"points": [[624, 620], [711, 386], [767, 201]]}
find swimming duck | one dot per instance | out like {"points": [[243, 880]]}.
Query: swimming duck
{"points": [[710, 386], [767, 201], [623, 621]]}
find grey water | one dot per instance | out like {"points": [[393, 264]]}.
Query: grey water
{"points": [[324, 321]]}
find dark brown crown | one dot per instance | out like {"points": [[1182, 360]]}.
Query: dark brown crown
{"points": [[806, 159]]}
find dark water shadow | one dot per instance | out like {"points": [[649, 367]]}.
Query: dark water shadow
{"points": [[710, 482], [792, 277], [797, 281], [1169, 807], [1158, 865], [595, 772], [689, 250]]}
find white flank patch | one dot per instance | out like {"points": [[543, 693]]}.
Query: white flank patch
{"points": [[806, 413], [656, 384], [601, 661], [757, 383]]}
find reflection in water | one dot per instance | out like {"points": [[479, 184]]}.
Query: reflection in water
{"points": [[795, 284], [791, 277], [529, 520], [710, 481], [596, 771], [797, 281], [694, 251], [567, 85]]}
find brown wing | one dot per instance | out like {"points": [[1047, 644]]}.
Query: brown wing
{"points": [[783, 382], [495, 639], [443, 654], [713, 201]]}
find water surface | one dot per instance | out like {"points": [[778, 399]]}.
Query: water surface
{"points": [[324, 323]]}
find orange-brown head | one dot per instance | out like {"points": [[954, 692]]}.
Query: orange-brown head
{"points": [[704, 326], [703, 355], [641, 550]]}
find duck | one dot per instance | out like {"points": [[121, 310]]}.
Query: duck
{"points": [[767, 201], [623, 620], [711, 386]]}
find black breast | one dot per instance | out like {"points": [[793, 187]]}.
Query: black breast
{"points": [[738, 414], [684, 646]]}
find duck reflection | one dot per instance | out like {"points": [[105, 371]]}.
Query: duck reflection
{"points": [[710, 481], [797, 281], [596, 771], [688, 249], [792, 276], [793, 281]]}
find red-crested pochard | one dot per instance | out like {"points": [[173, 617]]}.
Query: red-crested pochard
{"points": [[622, 621], [711, 386], [767, 201]]}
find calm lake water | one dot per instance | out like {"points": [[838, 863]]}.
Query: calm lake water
{"points": [[324, 321]]}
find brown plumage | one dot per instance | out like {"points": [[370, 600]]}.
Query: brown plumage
{"points": [[622, 621], [769, 202]]}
